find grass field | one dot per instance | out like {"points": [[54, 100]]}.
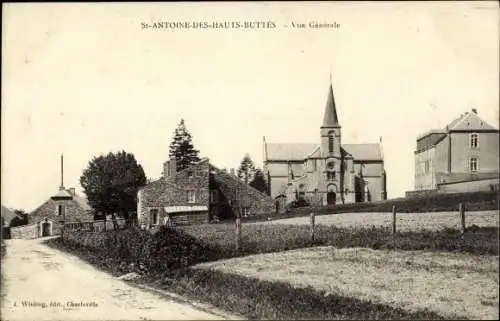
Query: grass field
{"points": [[451, 284], [404, 221]]}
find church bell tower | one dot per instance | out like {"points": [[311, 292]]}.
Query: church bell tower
{"points": [[330, 132]]}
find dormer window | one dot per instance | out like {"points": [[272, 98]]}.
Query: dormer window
{"points": [[474, 140]]}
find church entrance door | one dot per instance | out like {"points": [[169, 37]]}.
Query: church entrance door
{"points": [[331, 198]]}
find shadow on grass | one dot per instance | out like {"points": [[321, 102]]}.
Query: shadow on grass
{"points": [[262, 299]]}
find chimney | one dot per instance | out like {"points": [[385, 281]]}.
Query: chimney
{"points": [[474, 110], [62, 174], [232, 171], [166, 169], [173, 166], [72, 191], [169, 168]]}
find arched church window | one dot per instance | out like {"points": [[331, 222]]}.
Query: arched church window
{"points": [[330, 142]]}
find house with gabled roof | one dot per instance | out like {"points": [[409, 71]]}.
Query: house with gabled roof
{"points": [[328, 172], [461, 157], [48, 218], [198, 194]]}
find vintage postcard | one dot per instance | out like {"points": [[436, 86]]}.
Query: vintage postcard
{"points": [[250, 160]]}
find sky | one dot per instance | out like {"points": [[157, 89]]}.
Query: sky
{"points": [[86, 79]]}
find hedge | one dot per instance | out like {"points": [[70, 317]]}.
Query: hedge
{"points": [[170, 249]]}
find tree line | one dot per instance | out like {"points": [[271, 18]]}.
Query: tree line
{"points": [[111, 181]]}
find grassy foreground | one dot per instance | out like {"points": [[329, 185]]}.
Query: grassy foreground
{"points": [[251, 297], [450, 284]]}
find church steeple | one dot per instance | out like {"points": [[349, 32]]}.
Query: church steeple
{"points": [[330, 118], [330, 129]]}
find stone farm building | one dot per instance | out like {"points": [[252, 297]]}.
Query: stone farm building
{"points": [[462, 157], [48, 218], [326, 173], [198, 194]]}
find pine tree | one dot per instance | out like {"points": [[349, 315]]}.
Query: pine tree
{"points": [[246, 171], [182, 148], [259, 181]]}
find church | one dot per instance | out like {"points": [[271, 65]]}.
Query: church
{"points": [[328, 172]]}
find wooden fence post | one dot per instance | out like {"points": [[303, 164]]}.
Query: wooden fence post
{"points": [[312, 226], [461, 208], [394, 226]]}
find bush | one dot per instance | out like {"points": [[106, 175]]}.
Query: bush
{"points": [[136, 250]]}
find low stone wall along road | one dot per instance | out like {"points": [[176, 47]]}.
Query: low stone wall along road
{"points": [[42, 283]]}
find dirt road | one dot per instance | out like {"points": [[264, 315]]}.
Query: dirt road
{"points": [[41, 283]]}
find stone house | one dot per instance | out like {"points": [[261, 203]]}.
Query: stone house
{"points": [[327, 173], [462, 157], [48, 218], [198, 194]]}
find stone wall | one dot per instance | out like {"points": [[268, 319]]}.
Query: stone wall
{"points": [[25, 232], [420, 193], [470, 186]]}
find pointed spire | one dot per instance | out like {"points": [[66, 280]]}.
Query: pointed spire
{"points": [[330, 118]]}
